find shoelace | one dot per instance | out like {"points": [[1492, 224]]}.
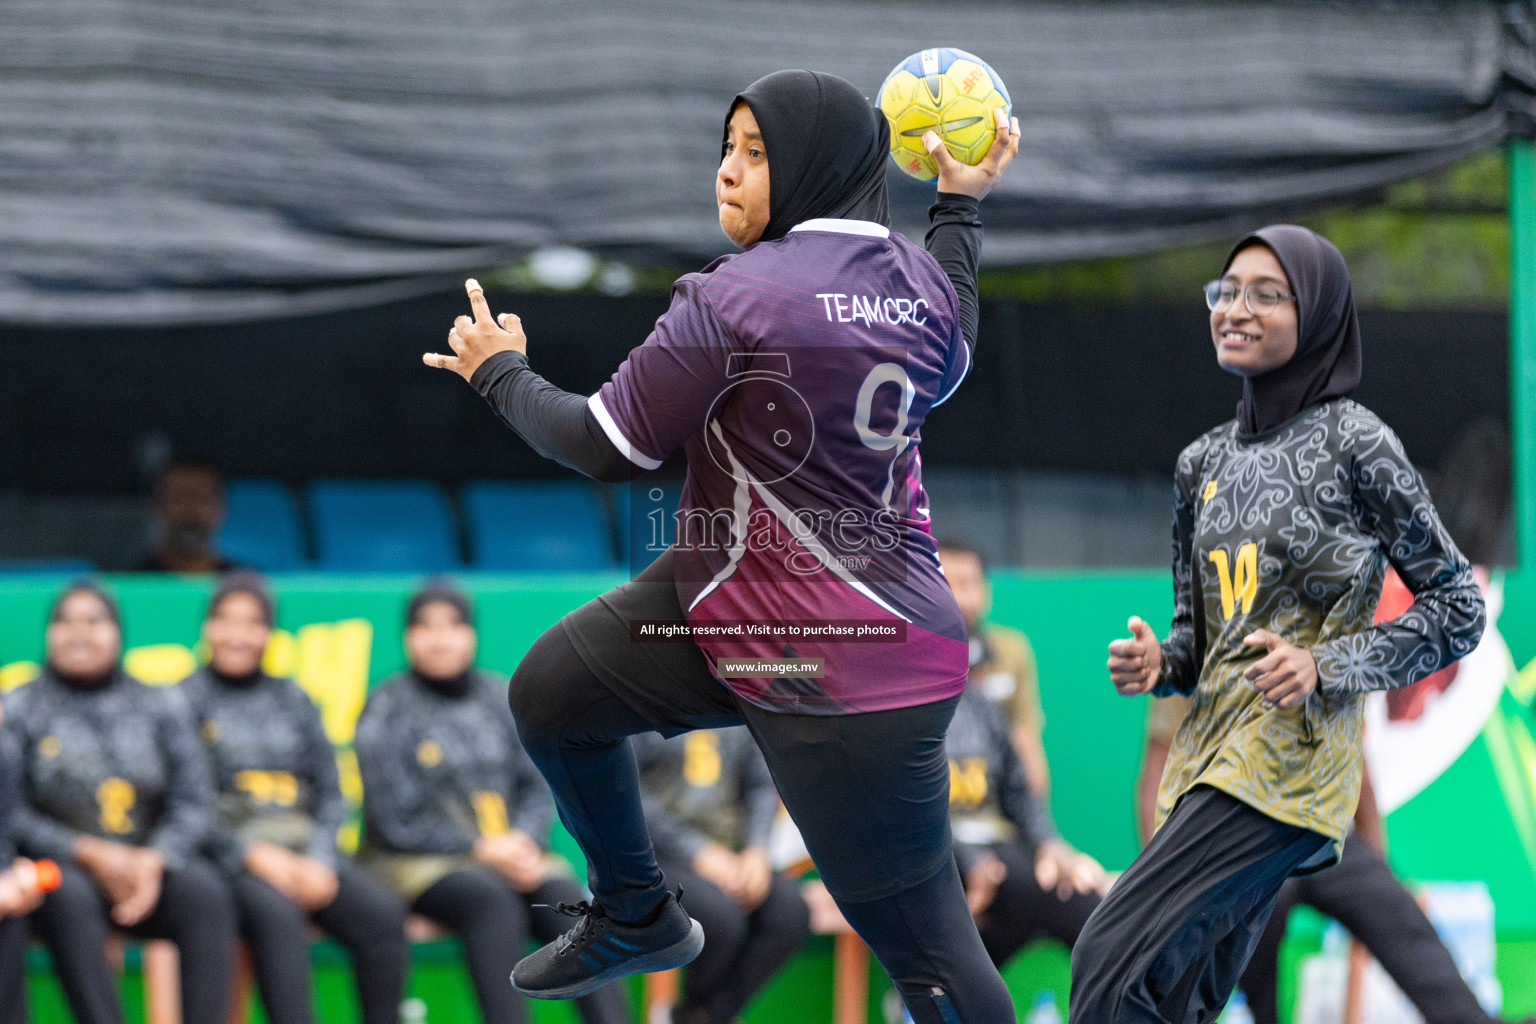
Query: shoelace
{"points": [[583, 931], [587, 915]]}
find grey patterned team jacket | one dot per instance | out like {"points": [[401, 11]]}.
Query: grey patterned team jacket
{"points": [[119, 762], [273, 765], [1291, 531], [439, 771]]}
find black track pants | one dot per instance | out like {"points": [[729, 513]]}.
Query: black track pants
{"points": [[1170, 940], [1363, 894], [195, 911], [365, 917]]}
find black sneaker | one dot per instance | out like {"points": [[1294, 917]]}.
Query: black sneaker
{"points": [[599, 950]]}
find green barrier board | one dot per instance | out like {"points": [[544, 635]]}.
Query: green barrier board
{"points": [[338, 635]]}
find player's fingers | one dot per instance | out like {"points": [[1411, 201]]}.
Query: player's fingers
{"points": [[942, 158], [1140, 629], [1281, 689], [509, 321], [1264, 666], [1289, 699], [477, 302], [1002, 133], [1280, 682], [1264, 637], [1127, 648], [440, 361], [462, 324], [997, 154]]}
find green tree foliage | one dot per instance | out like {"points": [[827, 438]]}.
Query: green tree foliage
{"points": [[1437, 241], [1433, 242]]}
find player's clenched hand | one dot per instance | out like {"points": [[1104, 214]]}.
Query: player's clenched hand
{"points": [[976, 181], [1287, 675], [1135, 663], [475, 340]]}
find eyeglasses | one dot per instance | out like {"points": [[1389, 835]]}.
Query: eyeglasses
{"points": [[1261, 298]]}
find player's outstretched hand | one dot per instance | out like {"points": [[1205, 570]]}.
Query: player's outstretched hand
{"points": [[475, 341], [1135, 663], [1286, 675], [976, 181]]}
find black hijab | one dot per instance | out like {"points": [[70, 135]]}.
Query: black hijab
{"points": [[441, 590], [827, 147], [1327, 360], [86, 585], [244, 581]]}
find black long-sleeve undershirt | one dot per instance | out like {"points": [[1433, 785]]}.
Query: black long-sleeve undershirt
{"points": [[560, 426]]}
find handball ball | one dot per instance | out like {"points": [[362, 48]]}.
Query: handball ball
{"points": [[947, 91]]}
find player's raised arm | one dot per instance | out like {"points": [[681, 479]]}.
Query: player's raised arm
{"points": [[954, 220], [492, 354]]}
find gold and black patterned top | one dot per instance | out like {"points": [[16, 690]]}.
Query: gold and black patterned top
{"points": [[1291, 531]]}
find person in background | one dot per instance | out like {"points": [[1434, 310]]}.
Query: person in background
{"points": [[19, 892], [186, 512], [1002, 660], [455, 816], [709, 805], [1361, 893], [1021, 879], [279, 809], [116, 789]]}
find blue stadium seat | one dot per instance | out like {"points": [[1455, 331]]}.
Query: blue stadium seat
{"points": [[536, 527], [645, 508], [382, 526], [262, 527]]}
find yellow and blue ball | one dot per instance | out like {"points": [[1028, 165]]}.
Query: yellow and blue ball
{"points": [[947, 91]]}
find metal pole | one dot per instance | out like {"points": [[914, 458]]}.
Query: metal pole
{"points": [[1522, 345]]}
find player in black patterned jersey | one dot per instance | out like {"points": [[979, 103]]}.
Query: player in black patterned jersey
{"points": [[455, 817], [115, 788], [1284, 522], [279, 807]]}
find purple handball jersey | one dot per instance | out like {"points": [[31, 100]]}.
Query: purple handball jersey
{"points": [[796, 377]]}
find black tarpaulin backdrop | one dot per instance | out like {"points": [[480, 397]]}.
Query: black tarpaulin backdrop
{"points": [[172, 161]]}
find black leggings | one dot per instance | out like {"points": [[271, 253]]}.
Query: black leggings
{"points": [[364, 917], [13, 970], [1363, 895], [195, 911], [744, 948], [494, 922], [1022, 911], [870, 792]]}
